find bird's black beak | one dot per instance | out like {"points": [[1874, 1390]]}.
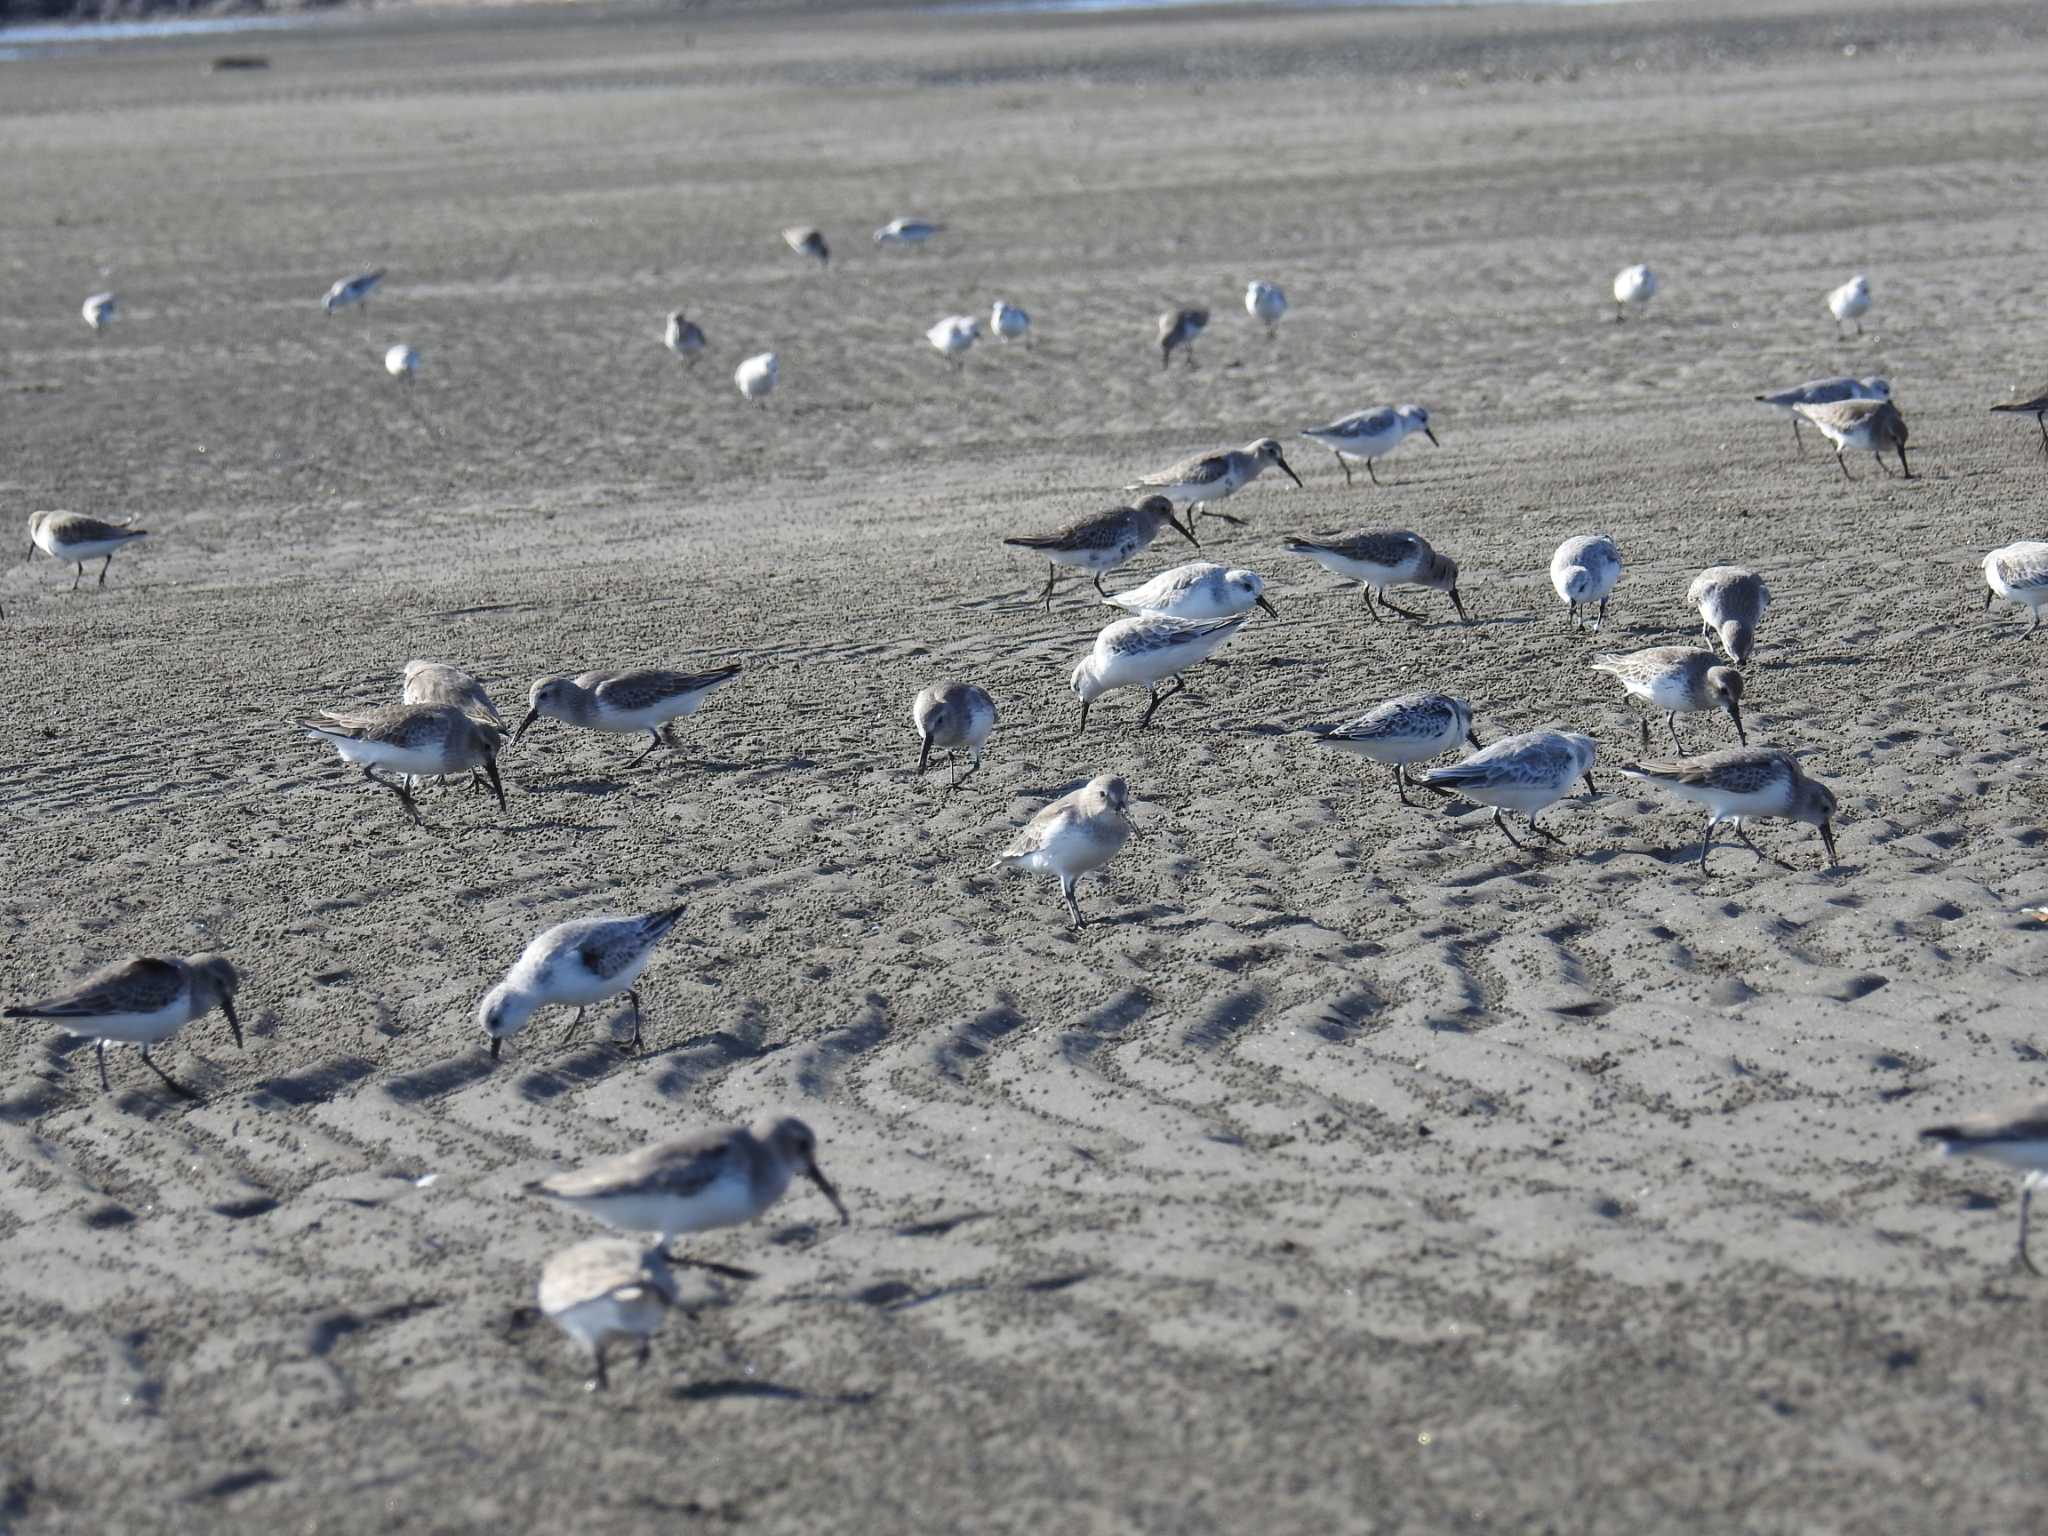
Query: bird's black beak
{"points": [[1988, 593], [531, 716], [1827, 838], [1432, 437], [1083, 728], [1904, 467], [817, 1177], [1458, 603], [227, 1006], [1735, 714], [1188, 532], [925, 756], [1267, 606], [1592, 789], [496, 1042], [1282, 463], [498, 784]]}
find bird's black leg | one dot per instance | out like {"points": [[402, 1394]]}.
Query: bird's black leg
{"points": [[633, 995], [1502, 822], [1051, 574], [601, 1380], [79, 577], [1180, 685], [1671, 725], [398, 789], [653, 741], [1369, 471], [1645, 723], [1401, 785], [99, 1051], [570, 1033], [1391, 606], [1098, 584], [2026, 1210], [1844, 464], [1597, 623], [1543, 831], [2041, 421], [103, 567], [1367, 591], [169, 1081], [1752, 847], [1706, 842], [1798, 441]]}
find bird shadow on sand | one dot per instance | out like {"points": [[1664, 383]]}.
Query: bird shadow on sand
{"points": [[315, 1085], [428, 1083], [740, 1390]]}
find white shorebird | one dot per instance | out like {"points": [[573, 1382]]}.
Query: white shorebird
{"points": [[436, 682], [1215, 476], [1006, 322], [415, 741], [1265, 301], [806, 241], [1073, 836], [101, 309], [1526, 774], [1583, 572], [72, 538], [1101, 543], [2034, 405], [756, 377], [575, 964], [1635, 285], [1873, 424], [683, 336], [907, 232], [2016, 1137], [1679, 680], [2019, 574], [1732, 601], [1744, 784], [1379, 558], [402, 362], [1201, 589], [695, 1183], [1179, 328], [953, 717], [1823, 392], [1851, 301], [1370, 434], [606, 1289], [352, 290], [1145, 651], [142, 1002], [1410, 729], [624, 703], [953, 335]]}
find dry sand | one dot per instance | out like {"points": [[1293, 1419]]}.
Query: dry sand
{"points": [[1352, 1172]]}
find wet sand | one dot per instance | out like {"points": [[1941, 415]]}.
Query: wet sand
{"points": [[1352, 1171]]}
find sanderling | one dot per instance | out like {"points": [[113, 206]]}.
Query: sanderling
{"points": [[1526, 774], [907, 232], [624, 703], [695, 1183], [1211, 477], [1201, 589], [806, 241], [402, 362], [683, 336], [1008, 322], [1145, 651], [436, 682], [1411, 729], [416, 741], [756, 376], [352, 290], [1679, 680], [143, 1001], [604, 1289], [1821, 392], [1379, 558], [2019, 574], [1584, 570], [580, 962], [71, 538], [2034, 405], [1179, 328], [1103, 542], [1265, 301], [1850, 302], [1744, 784], [953, 717], [1369, 435], [1633, 285], [2016, 1137], [1873, 424], [953, 335], [1075, 835], [1732, 602], [101, 309]]}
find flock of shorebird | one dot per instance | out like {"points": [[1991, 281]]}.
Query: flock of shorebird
{"points": [[445, 723]]}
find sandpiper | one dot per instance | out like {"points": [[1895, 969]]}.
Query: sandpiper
{"points": [[580, 962], [806, 241], [1265, 301], [402, 362], [1583, 572], [71, 538], [755, 378], [1009, 323], [1732, 601], [1850, 302], [953, 335], [1370, 434], [606, 1289], [1410, 729], [99, 310], [953, 717], [683, 336], [1744, 784], [352, 290], [415, 741], [1379, 558], [2019, 574], [1679, 680], [436, 682], [143, 1002], [1873, 424], [1216, 476], [695, 1183], [1526, 774], [1200, 589], [1635, 285], [1179, 328], [2034, 405], [1073, 836], [624, 703], [1822, 392], [907, 232], [1145, 651], [2017, 1137], [1103, 542]]}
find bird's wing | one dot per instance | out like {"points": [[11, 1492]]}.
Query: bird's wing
{"points": [[141, 985], [644, 690]]}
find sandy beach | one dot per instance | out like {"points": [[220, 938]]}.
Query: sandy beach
{"points": [[1352, 1171]]}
